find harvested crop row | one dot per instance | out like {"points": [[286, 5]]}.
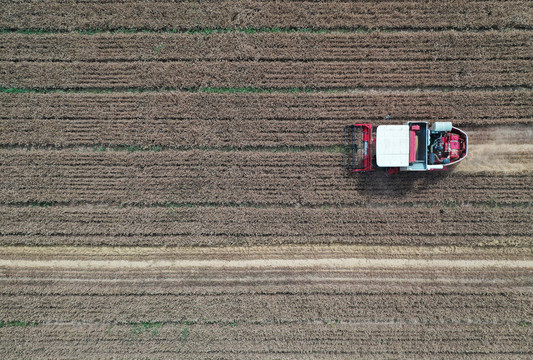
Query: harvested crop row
{"points": [[325, 338], [271, 75], [354, 295], [269, 311], [500, 137], [185, 134], [305, 178], [219, 239], [125, 302], [230, 226], [156, 15], [181, 119], [402, 46]]}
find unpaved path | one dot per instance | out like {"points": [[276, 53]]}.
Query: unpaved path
{"points": [[271, 263], [262, 252]]}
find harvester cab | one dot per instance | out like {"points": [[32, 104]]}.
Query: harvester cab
{"points": [[414, 146]]}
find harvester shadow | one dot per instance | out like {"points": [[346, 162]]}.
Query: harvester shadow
{"points": [[378, 185]]}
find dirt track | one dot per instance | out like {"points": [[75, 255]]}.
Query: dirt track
{"points": [[174, 187]]}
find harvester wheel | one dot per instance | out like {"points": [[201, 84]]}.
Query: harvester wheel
{"points": [[392, 171]]}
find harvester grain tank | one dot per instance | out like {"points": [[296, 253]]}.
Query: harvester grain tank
{"points": [[413, 146]]}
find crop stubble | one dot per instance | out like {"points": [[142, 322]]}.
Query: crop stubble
{"points": [[184, 15], [268, 46], [83, 198], [271, 75], [182, 119], [218, 226], [346, 310]]}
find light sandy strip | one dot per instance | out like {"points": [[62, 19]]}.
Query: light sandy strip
{"points": [[498, 157], [261, 252], [268, 263], [255, 280]]}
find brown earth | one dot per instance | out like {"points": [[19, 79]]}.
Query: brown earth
{"points": [[379, 46], [182, 119], [332, 312], [270, 75], [197, 224], [157, 15], [223, 226], [239, 177]]}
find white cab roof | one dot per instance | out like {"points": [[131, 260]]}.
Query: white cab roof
{"points": [[392, 145]]}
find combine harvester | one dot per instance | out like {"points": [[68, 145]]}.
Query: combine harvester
{"points": [[411, 147]]}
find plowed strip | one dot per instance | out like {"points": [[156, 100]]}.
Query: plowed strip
{"points": [[137, 14], [403, 46], [274, 75], [180, 119]]}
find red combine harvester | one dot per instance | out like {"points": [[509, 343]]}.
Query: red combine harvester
{"points": [[413, 146]]}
